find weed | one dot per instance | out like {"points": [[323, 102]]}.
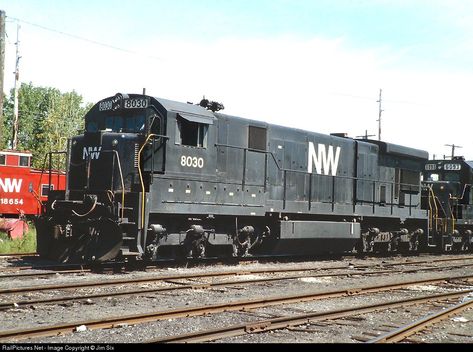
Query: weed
{"points": [[27, 244]]}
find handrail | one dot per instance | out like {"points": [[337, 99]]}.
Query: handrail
{"points": [[457, 205], [453, 219], [463, 193], [307, 173], [49, 154], [450, 206], [141, 175], [431, 220], [415, 187], [435, 200], [38, 199]]}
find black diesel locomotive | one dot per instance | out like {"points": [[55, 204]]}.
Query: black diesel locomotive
{"points": [[448, 197], [151, 178]]}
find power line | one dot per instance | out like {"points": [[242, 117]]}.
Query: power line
{"points": [[85, 39], [384, 100]]}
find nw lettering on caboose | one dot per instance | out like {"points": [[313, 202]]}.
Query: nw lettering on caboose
{"points": [[8, 185], [325, 163]]}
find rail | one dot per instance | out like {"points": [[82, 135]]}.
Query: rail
{"points": [[140, 291], [295, 320], [305, 273], [410, 329], [109, 322], [70, 268]]}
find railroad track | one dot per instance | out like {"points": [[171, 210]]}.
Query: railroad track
{"points": [[121, 266], [55, 268], [295, 320], [180, 286], [74, 269], [110, 322], [407, 330]]}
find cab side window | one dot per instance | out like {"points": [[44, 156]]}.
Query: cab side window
{"points": [[193, 134]]}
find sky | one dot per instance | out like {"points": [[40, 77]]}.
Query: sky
{"points": [[317, 65]]}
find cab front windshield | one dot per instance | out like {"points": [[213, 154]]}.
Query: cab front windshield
{"points": [[127, 123]]}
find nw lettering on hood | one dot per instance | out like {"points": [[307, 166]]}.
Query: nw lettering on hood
{"points": [[326, 163]]}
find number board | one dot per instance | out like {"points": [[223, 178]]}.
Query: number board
{"points": [[106, 105], [430, 167], [452, 167], [135, 103]]}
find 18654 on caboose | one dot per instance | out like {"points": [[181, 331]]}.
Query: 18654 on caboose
{"points": [[23, 189]]}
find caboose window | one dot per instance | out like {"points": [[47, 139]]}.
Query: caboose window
{"points": [[45, 190], [24, 161], [3, 159], [191, 133]]}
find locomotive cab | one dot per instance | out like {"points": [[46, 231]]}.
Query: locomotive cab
{"points": [[109, 168], [448, 197], [131, 162]]}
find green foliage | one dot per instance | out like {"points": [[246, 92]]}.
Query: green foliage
{"points": [[27, 244], [47, 118]]}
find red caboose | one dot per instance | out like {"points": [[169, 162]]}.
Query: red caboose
{"points": [[22, 190]]}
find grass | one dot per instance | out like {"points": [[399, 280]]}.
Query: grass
{"points": [[27, 244]]}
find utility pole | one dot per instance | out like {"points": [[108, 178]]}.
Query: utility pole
{"points": [[380, 112], [453, 148], [2, 68], [366, 135], [17, 87]]}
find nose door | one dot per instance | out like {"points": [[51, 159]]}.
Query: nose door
{"points": [[153, 154]]}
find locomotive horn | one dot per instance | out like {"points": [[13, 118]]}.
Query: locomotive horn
{"points": [[211, 105]]}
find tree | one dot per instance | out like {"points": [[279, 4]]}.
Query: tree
{"points": [[47, 118]]}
